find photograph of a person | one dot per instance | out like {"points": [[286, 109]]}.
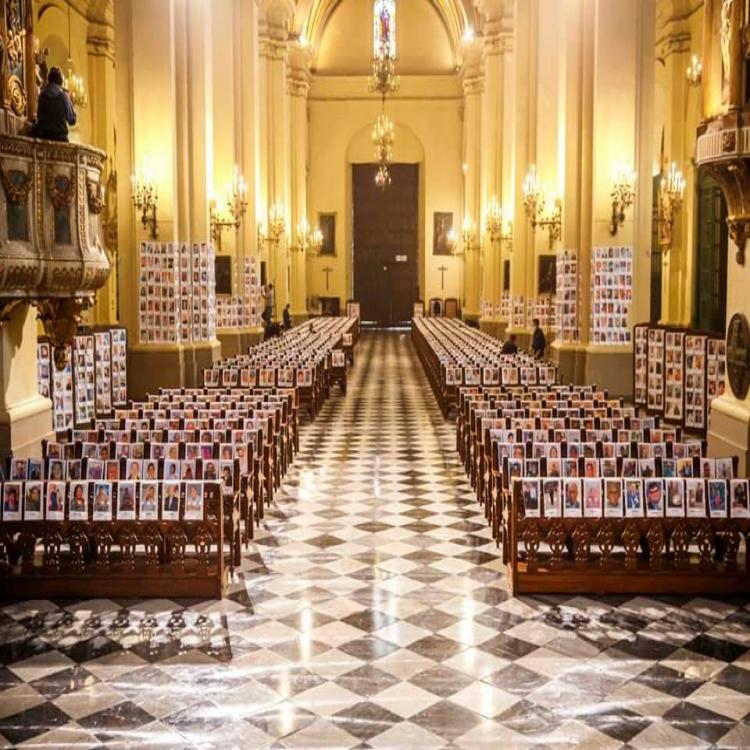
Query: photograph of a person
{"points": [[78, 506], [613, 499], [530, 496], [102, 504], [170, 502], [32, 506], [633, 498], [717, 498], [572, 506], [55, 505], [654, 492], [738, 490], [126, 501], [194, 501], [12, 501], [148, 506]]}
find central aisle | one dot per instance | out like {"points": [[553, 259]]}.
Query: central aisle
{"points": [[371, 612]]}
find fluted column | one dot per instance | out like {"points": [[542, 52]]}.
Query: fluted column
{"points": [[524, 154], [473, 86], [298, 86], [496, 47], [274, 136]]}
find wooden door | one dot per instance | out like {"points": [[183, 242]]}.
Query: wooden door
{"points": [[386, 243]]}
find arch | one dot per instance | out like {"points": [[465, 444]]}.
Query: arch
{"points": [[407, 147], [311, 17]]}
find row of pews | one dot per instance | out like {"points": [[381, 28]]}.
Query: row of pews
{"points": [[582, 493], [160, 497]]}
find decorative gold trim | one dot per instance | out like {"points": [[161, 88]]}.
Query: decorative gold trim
{"points": [[16, 194]]}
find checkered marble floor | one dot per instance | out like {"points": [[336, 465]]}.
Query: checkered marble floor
{"points": [[372, 612]]}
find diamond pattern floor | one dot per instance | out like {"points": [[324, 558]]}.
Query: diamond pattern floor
{"points": [[372, 612]]}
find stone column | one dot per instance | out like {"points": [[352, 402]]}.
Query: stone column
{"points": [[194, 165], [246, 127], [25, 416], [101, 68], [274, 16], [496, 44], [524, 153], [298, 86], [472, 79]]}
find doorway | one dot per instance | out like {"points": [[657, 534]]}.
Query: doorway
{"points": [[710, 310], [385, 243]]}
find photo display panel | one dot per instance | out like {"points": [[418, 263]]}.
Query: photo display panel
{"points": [[695, 381], [103, 358], [612, 294], [566, 317], [674, 375]]}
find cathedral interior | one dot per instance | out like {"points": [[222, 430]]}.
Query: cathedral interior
{"points": [[375, 374]]}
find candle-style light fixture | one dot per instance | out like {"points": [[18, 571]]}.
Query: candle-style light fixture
{"points": [[234, 211], [73, 83], [694, 72], [623, 194], [671, 194], [468, 242], [145, 197], [383, 78], [309, 240], [534, 202], [382, 139], [276, 225], [498, 229]]}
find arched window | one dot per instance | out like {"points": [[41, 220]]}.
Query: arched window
{"points": [[384, 28]]}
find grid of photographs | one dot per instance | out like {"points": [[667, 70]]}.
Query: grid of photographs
{"points": [[177, 295], [505, 305], [716, 367], [518, 312], [674, 375], [542, 308], [119, 338], [632, 497], [43, 365], [566, 318], [84, 406], [695, 381], [640, 365], [230, 312], [252, 292], [93, 382], [655, 380], [612, 293], [103, 500]]}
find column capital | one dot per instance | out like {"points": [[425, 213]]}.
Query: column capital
{"points": [[274, 17], [472, 74], [299, 76], [100, 41]]}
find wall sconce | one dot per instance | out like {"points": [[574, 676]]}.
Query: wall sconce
{"points": [[498, 230], [671, 193], [694, 71], [308, 240], [452, 238], [469, 235], [276, 225], [145, 198], [534, 201], [623, 193], [236, 206]]}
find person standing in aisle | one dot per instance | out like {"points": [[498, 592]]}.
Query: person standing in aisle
{"points": [[538, 341]]}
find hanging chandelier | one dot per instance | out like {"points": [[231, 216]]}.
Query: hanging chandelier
{"points": [[382, 139], [72, 83], [384, 79]]}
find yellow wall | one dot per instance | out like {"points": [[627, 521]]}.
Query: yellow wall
{"points": [[427, 114]]}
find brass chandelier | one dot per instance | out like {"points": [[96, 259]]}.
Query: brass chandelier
{"points": [[382, 139]]}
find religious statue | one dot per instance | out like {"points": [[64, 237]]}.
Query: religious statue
{"points": [[726, 33], [40, 65], [385, 27]]}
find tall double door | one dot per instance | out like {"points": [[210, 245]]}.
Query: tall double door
{"points": [[386, 243]]}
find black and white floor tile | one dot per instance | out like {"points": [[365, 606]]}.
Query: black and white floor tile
{"points": [[373, 612]]}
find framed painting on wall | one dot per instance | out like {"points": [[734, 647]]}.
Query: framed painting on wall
{"points": [[547, 274], [327, 225], [442, 223], [223, 270]]}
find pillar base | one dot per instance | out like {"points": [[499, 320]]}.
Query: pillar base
{"points": [[495, 327], [154, 366], [729, 430], [610, 367], [24, 425], [570, 360], [205, 355]]}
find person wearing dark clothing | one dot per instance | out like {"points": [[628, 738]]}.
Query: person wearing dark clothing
{"points": [[287, 318], [55, 110], [510, 346], [538, 342]]}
